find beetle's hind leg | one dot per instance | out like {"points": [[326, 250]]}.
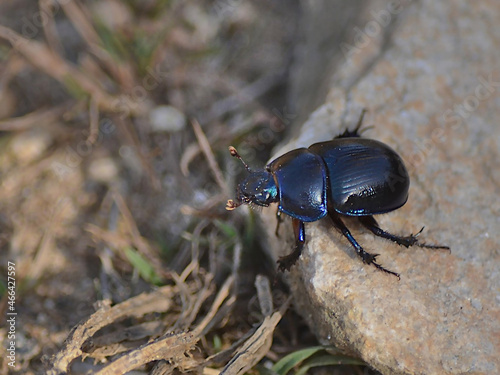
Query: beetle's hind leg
{"points": [[367, 257], [286, 262], [371, 224], [356, 132]]}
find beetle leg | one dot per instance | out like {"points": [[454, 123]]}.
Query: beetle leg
{"points": [[367, 257], [286, 262], [371, 224], [279, 221]]}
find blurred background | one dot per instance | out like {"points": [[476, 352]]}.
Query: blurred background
{"points": [[115, 119]]}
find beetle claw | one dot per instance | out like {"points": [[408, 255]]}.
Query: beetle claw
{"points": [[434, 246], [420, 231], [286, 262], [386, 270], [369, 258]]}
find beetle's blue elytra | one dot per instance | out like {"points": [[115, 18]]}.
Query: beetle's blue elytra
{"points": [[346, 176]]}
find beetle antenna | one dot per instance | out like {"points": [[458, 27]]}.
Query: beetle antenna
{"points": [[235, 154]]}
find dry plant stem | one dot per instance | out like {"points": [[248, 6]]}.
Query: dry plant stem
{"points": [[33, 119], [257, 346], [207, 151], [135, 332], [13, 65], [40, 56], [190, 152], [81, 23], [49, 27], [158, 301], [244, 95], [219, 299], [119, 69], [192, 303], [175, 348], [94, 121], [124, 340], [139, 242], [128, 131], [113, 239]]}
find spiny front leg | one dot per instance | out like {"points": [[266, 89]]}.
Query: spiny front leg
{"points": [[365, 256], [371, 224], [286, 262]]}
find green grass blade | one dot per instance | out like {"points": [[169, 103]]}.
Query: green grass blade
{"points": [[328, 360], [142, 265], [291, 360]]}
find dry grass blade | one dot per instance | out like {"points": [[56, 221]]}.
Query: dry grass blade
{"points": [[174, 348], [112, 239], [81, 23], [219, 299], [257, 346], [124, 340], [33, 119], [190, 152], [157, 301], [244, 95], [192, 302], [120, 69], [49, 26], [94, 121], [130, 136], [264, 295], [207, 150], [40, 56], [140, 243]]}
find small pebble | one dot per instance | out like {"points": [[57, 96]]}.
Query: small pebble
{"points": [[30, 145], [103, 170], [166, 118]]}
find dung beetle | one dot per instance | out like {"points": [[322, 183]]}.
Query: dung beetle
{"points": [[347, 176]]}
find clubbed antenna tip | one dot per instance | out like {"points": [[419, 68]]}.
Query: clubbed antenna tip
{"points": [[231, 205], [235, 154]]}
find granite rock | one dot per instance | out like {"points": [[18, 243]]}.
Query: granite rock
{"points": [[429, 75]]}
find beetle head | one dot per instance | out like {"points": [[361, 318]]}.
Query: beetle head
{"points": [[258, 188]]}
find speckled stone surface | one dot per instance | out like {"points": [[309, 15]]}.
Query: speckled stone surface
{"points": [[429, 75]]}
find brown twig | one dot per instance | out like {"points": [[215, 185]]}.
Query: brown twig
{"points": [[40, 56], [34, 119], [158, 301], [207, 151]]}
